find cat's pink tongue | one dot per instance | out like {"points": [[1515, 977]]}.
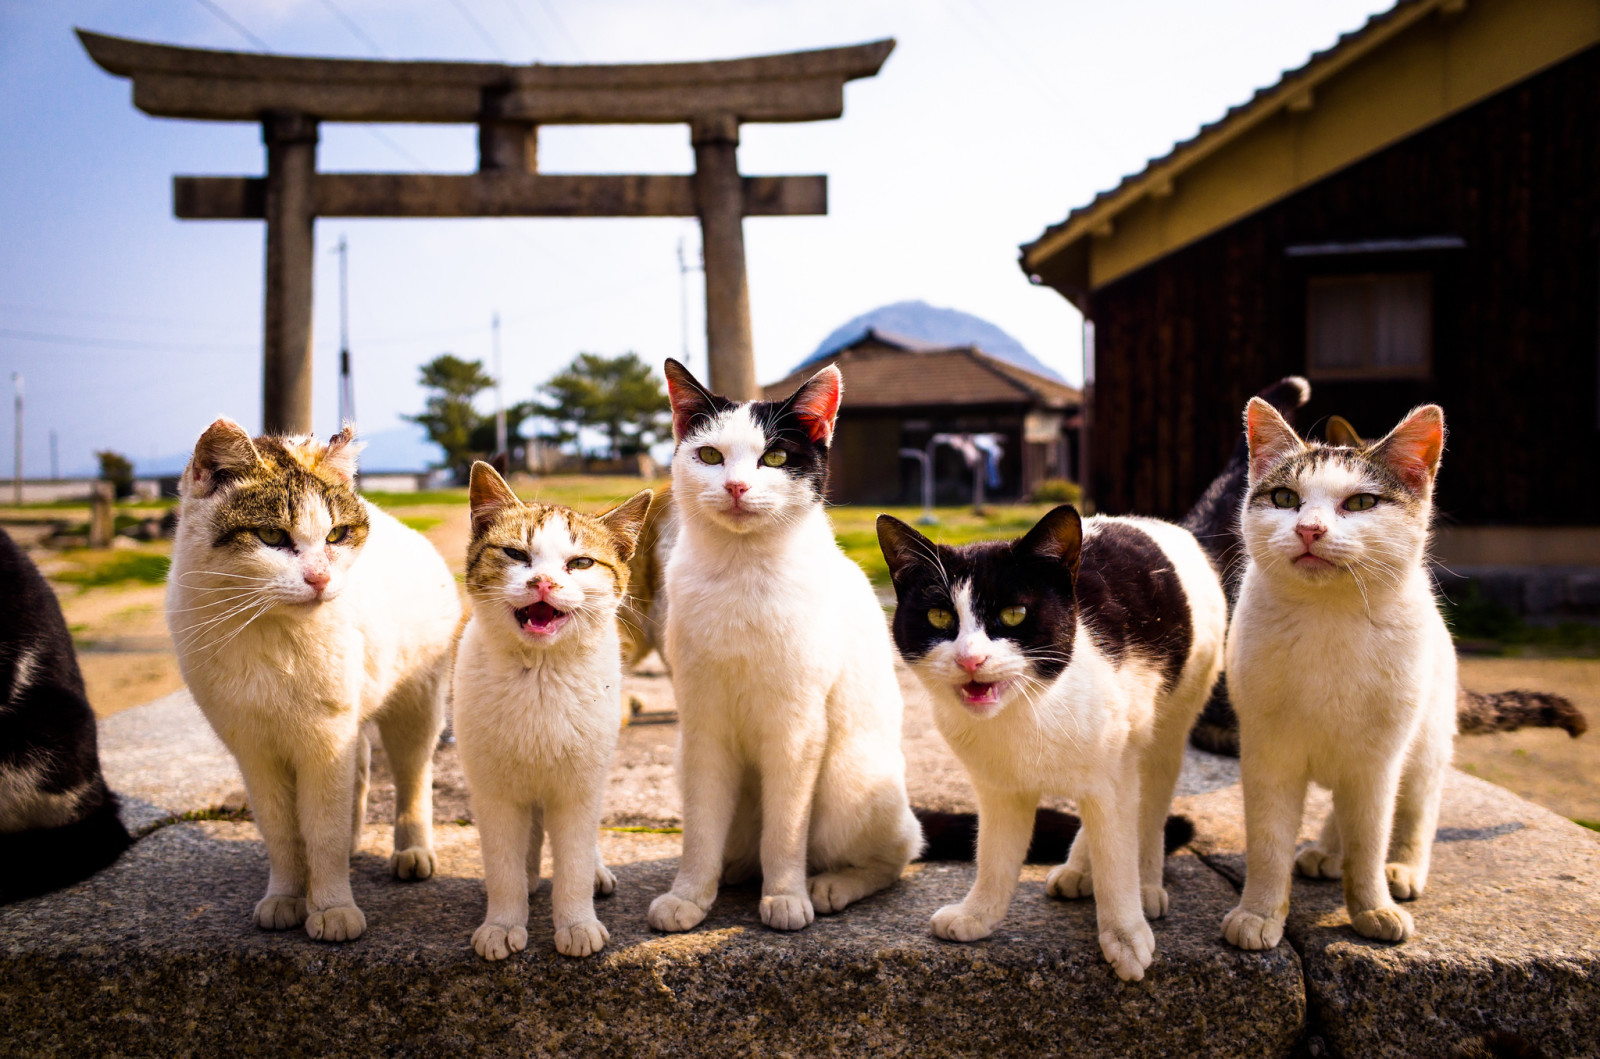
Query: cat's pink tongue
{"points": [[541, 619]]}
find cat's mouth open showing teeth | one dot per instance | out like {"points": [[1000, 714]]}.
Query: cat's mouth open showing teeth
{"points": [[540, 619], [977, 694]]}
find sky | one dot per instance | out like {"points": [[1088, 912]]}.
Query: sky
{"points": [[990, 121]]}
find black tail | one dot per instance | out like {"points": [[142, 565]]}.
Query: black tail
{"points": [[1506, 711], [954, 836], [44, 859]]}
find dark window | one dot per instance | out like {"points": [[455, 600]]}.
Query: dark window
{"points": [[1369, 326]]}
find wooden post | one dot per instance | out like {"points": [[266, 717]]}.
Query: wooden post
{"points": [[291, 140], [719, 201], [102, 514]]}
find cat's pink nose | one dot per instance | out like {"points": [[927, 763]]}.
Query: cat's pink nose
{"points": [[737, 489], [544, 586], [1311, 532], [317, 578], [971, 663]]}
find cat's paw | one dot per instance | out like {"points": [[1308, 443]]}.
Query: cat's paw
{"points": [[1405, 882], [605, 883], [1246, 930], [339, 923], [833, 892], [414, 863], [787, 911], [1388, 923], [582, 939], [1154, 899], [1313, 863], [280, 912], [1129, 951], [955, 923], [671, 913], [495, 942], [1068, 883]]}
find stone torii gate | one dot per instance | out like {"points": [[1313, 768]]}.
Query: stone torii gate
{"points": [[289, 96]]}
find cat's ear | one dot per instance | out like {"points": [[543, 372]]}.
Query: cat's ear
{"points": [[341, 454], [626, 521], [1340, 432], [689, 399], [1270, 437], [903, 547], [1057, 538], [223, 451], [816, 404], [488, 495], [1412, 449]]}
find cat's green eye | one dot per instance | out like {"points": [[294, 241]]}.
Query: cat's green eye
{"points": [[1285, 498], [272, 536], [774, 457], [337, 534], [582, 562], [709, 455], [516, 555], [1360, 502], [1013, 615], [940, 618]]}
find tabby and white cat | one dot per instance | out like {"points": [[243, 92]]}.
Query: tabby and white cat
{"points": [[1342, 671], [790, 755], [1070, 661], [300, 612], [538, 684]]}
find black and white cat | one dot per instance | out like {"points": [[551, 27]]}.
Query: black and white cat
{"points": [[58, 821], [1071, 661]]}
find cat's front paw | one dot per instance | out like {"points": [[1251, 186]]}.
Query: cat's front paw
{"points": [[495, 942], [787, 911], [1068, 883], [1388, 923], [1129, 950], [280, 912], [1313, 863], [582, 939], [1246, 930], [1154, 899], [1405, 882], [671, 913], [339, 923], [955, 923], [415, 863], [605, 883]]}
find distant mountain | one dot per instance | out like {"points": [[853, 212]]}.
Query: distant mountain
{"points": [[404, 448], [930, 323]]}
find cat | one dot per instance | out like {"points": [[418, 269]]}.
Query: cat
{"points": [[643, 614], [1069, 661], [300, 613], [58, 820], [538, 681], [781, 664], [1341, 670]]}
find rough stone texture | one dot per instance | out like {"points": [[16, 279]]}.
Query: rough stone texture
{"points": [[163, 758], [1506, 936]]}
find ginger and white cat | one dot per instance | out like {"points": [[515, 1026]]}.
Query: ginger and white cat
{"points": [[1070, 661], [1342, 671], [301, 612], [538, 681], [781, 664]]}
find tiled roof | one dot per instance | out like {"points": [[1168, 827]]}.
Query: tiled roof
{"points": [[880, 373]]}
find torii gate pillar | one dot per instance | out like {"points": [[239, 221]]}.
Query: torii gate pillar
{"points": [[719, 201], [291, 140]]}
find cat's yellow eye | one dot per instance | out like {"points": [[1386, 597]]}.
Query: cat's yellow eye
{"points": [[272, 536], [774, 457], [1285, 498], [1360, 502], [709, 455], [1013, 615], [516, 555], [337, 534], [940, 618], [581, 562]]}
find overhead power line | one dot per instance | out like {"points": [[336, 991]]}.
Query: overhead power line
{"points": [[477, 27], [215, 9], [355, 31]]}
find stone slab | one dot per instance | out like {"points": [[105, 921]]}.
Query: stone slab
{"points": [[163, 758]]}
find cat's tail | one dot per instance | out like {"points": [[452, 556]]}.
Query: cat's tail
{"points": [[40, 860], [1479, 712], [954, 836]]}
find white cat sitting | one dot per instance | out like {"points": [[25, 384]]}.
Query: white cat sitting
{"points": [[300, 612], [1342, 671], [538, 686], [790, 756]]}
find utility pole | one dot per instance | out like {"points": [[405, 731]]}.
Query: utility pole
{"points": [[347, 387], [499, 401], [16, 474], [684, 268]]}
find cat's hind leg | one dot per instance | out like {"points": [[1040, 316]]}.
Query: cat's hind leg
{"points": [[1416, 812], [358, 811], [862, 851], [505, 830], [410, 725], [1159, 765], [1324, 858], [535, 846], [1074, 878]]}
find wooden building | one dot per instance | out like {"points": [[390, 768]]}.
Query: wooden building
{"points": [[899, 392], [1414, 215]]}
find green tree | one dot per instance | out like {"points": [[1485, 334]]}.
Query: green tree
{"points": [[618, 396], [118, 470], [448, 416]]}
